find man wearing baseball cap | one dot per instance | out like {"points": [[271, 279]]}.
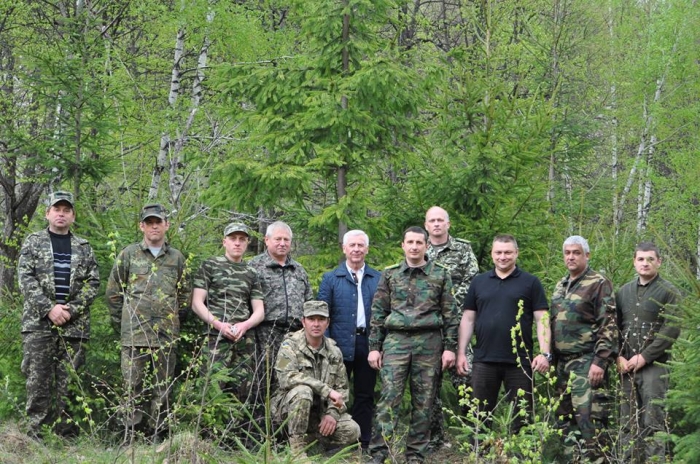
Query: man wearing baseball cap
{"points": [[228, 297], [313, 386], [59, 279], [146, 292]]}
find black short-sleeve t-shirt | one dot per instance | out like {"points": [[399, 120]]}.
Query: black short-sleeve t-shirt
{"points": [[496, 301]]}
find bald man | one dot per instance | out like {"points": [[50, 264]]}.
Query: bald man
{"points": [[457, 256]]}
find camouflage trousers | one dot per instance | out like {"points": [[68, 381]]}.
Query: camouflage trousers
{"points": [[48, 362], [642, 413], [583, 410], [236, 361], [437, 417], [148, 374], [303, 411], [414, 357]]}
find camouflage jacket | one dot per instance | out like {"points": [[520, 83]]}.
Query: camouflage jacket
{"points": [[322, 370], [457, 256], [230, 289], [641, 316], [285, 289], [35, 271], [414, 299], [145, 293], [583, 317]]}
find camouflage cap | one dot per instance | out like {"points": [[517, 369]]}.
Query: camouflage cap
{"points": [[236, 227], [153, 210], [316, 308], [61, 195]]}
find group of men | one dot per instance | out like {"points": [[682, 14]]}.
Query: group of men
{"points": [[411, 322]]}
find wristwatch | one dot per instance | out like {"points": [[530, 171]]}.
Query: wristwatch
{"points": [[548, 357]]}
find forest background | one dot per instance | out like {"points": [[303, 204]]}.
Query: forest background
{"points": [[537, 118]]}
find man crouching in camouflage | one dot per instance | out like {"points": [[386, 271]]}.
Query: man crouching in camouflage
{"points": [[59, 279], [313, 386]]}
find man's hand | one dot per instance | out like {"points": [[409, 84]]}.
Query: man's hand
{"points": [[336, 398], [448, 359], [327, 425], [59, 314], [375, 359], [595, 375], [540, 364], [225, 329], [239, 330], [462, 364], [636, 362], [622, 365]]}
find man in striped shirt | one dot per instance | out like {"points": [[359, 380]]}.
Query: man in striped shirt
{"points": [[59, 279]]}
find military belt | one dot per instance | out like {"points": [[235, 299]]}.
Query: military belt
{"points": [[415, 330]]}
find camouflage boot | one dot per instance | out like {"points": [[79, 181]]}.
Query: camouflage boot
{"points": [[297, 445]]}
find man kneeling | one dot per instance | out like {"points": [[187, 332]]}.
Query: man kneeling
{"points": [[313, 386]]}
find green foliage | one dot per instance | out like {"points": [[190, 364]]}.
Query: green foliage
{"points": [[682, 399]]}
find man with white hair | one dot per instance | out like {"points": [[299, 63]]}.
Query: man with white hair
{"points": [[585, 336], [349, 290], [286, 287]]}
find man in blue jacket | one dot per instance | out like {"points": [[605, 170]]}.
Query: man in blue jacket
{"points": [[349, 290]]}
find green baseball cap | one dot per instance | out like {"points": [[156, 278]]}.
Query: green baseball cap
{"points": [[153, 210], [236, 227], [316, 308], [61, 195]]}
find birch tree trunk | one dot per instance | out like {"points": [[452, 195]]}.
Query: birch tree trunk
{"points": [[164, 149]]}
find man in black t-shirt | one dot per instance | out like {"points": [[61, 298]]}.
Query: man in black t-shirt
{"points": [[497, 301]]}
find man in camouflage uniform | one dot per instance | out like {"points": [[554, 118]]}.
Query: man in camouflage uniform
{"points": [[146, 293], [59, 279], [585, 344], [313, 386], [285, 287], [457, 256], [413, 335], [643, 305], [228, 297]]}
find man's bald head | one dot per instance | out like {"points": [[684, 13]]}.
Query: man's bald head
{"points": [[437, 223]]}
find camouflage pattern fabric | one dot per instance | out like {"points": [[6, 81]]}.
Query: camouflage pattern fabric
{"points": [[583, 318], [36, 282], [49, 361], [52, 354], [145, 294], [285, 289], [306, 378], [582, 413], [414, 357], [585, 332], [414, 318], [238, 361], [147, 374], [415, 299], [230, 288], [459, 259]]}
